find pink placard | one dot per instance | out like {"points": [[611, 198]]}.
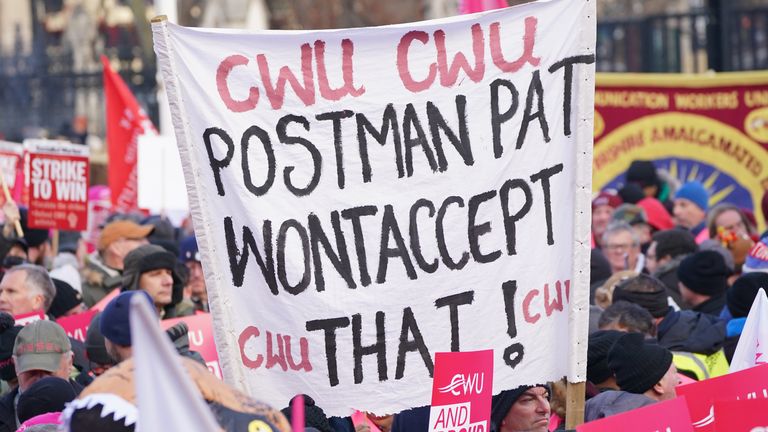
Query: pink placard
{"points": [[667, 416], [461, 391], [750, 383], [200, 339], [76, 326], [746, 415]]}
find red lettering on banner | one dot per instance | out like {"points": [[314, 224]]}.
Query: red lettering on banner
{"points": [[402, 62], [553, 301], [449, 75], [276, 92], [529, 40], [555, 304], [527, 307], [347, 51], [222, 73], [302, 83], [282, 358]]}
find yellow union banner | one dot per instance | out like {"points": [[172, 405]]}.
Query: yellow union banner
{"points": [[712, 128]]}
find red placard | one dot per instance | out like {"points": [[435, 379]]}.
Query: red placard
{"points": [[461, 391], [76, 326], [11, 155], [746, 415], [746, 384], [667, 416], [56, 178], [200, 339], [27, 318]]}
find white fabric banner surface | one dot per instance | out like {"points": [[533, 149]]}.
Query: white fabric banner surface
{"points": [[365, 198]]}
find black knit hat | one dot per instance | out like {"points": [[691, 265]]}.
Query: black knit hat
{"points": [[8, 334], [637, 364], [643, 173], [631, 193], [49, 394], [704, 272], [652, 296], [743, 293], [502, 402], [600, 344], [65, 299]]}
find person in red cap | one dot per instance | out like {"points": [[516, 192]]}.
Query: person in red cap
{"points": [[603, 206]]}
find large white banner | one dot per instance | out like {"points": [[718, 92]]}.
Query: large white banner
{"points": [[365, 198]]}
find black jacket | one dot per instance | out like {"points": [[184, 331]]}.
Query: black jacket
{"points": [[8, 408], [691, 331]]}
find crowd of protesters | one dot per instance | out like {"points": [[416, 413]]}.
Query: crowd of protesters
{"points": [[672, 281]]}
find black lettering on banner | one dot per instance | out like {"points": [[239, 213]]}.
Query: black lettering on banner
{"points": [[282, 271], [440, 231], [389, 228], [336, 117], [511, 219], [534, 87], [379, 347], [329, 326], [388, 120], [353, 215], [513, 354], [263, 136], [317, 158], [544, 176], [497, 117], [411, 125], [474, 231], [410, 327], [568, 63], [414, 235], [237, 267], [461, 143], [218, 164], [453, 302], [339, 258]]}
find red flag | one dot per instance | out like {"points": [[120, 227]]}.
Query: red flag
{"points": [[126, 121]]}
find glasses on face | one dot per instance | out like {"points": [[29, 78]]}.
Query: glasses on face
{"points": [[618, 247]]}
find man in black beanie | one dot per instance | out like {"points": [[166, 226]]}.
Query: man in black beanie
{"points": [[598, 372], [643, 367], [703, 281], [644, 372], [695, 338]]}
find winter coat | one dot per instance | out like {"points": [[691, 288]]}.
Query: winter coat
{"points": [[713, 306], [696, 341], [98, 279]]}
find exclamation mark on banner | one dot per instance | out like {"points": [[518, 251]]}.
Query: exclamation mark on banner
{"points": [[513, 354]]}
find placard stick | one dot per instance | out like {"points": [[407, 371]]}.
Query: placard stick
{"points": [[8, 198], [55, 242]]}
